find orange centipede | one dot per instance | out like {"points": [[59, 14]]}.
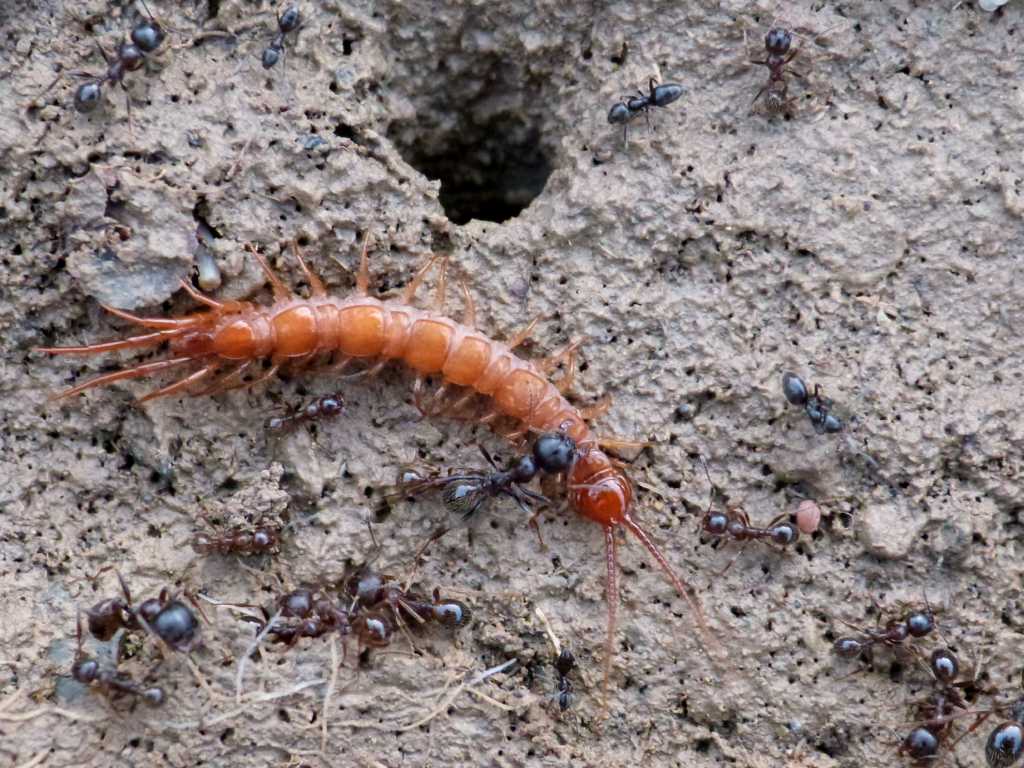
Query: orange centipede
{"points": [[230, 337]]}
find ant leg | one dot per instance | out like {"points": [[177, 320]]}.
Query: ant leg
{"points": [[532, 522], [759, 95], [735, 558]]}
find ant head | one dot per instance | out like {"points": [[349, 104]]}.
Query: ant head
{"points": [[554, 452], [85, 670], [619, 113], [848, 647], [87, 96], [921, 623], [565, 662], [148, 36], [920, 744], [944, 665], [297, 603], [1005, 745], [289, 20], [778, 40], [716, 523]]}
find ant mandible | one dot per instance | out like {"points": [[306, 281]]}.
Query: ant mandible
{"points": [[170, 620], [627, 110], [87, 671], [777, 46], [146, 37], [286, 22], [735, 524]]}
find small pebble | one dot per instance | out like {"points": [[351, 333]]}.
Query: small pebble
{"points": [[992, 5]]}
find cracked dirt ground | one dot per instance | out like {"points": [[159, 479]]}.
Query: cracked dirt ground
{"points": [[870, 240]]}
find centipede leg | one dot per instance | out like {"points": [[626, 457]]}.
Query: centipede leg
{"points": [[178, 386], [621, 443], [596, 410], [280, 290], [469, 313], [219, 306], [409, 292], [136, 372], [316, 285], [524, 334], [363, 275], [611, 557], [227, 382], [442, 286]]}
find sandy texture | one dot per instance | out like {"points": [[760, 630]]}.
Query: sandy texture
{"points": [[869, 240]]}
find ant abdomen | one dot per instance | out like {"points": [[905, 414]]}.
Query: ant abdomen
{"points": [[375, 629], [452, 613], [848, 647], [920, 744], [1005, 745]]}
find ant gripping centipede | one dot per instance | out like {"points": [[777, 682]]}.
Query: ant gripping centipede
{"points": [[465, 490], [231, 337]]}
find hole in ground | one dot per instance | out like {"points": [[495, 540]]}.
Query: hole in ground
{"points": [[481, 121]]}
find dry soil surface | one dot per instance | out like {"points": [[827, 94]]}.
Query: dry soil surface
{"points": [[868, 238]]}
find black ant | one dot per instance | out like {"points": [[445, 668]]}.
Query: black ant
{"points": [[777, 46], [324, 407], [735, 524], [466, 490], [896, 634], [286, 22], [563, 666], [938, 710], [146, 37], [87, 671], [375, 591], [817, 408], [1005, 744], [170, 620], [627, 110]]}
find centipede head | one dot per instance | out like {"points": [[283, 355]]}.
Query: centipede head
{"points": [[598, 489]]}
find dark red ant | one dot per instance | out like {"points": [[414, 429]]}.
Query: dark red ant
{"points": [[465, 490], [146, 37], [896, 634], [286, 22], [170, 620], [260, 540], [734, 524], [374, 591], [625, 111], [320, 615], [87, 671], [777, 46], [324, 407]]}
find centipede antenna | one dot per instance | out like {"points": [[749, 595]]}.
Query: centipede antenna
{"points": [[202, 299], [145, 340], [161, 323]]}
